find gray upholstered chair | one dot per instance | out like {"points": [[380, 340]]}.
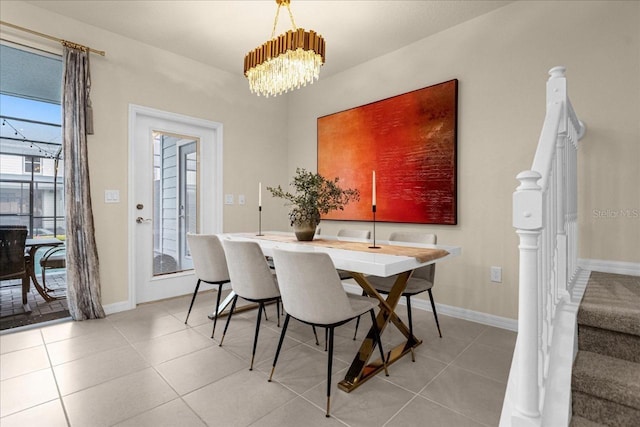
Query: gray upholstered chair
{"points": [[210, 265], [252, 280], [313, 294], [420, 281], [348, 234]]}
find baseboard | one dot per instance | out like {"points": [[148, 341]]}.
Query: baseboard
{"points": [[118, 307], [605, 266], [129, 304], [458, 312]]}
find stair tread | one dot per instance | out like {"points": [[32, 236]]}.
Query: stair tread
{"points": [[577, 421], [607, 378], [611, 301]]}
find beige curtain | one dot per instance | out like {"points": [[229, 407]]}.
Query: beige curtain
{"points": [[83, 273]]}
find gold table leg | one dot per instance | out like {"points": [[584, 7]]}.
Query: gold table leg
{"points": [[360, 371]]}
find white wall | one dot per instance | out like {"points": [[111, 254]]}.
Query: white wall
{"points": [[134, 73], [501, 61]]}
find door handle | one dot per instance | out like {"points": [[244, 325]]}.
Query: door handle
{"points": [[140, 220]]}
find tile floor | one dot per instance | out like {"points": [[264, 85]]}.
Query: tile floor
{"points": [[145, 367]]}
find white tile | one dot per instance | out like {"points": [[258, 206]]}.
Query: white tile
{"points": [[72, 329], [300, 368], [414, 375], [117, 400], [50, 414], [371, 404], [240, 399], [492, 362], [84, 345], [420, 412], [195, 370], [145, 328], [167, 347], [26, 391], [97, 368], [174, 413], [497, 337], [298, 412], [470, 394], [23, 361], [20, 340]]}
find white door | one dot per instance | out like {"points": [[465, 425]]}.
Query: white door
{"points": [[175, 187]]}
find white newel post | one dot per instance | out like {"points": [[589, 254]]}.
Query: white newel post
{"points": [[527, 219]]}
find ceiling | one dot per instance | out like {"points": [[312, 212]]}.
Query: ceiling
{"points": [[220, 33]]}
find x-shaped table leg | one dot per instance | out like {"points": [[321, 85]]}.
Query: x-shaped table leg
{"points": [[360, 371]]}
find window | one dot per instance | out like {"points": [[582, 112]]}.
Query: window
{"points": [[31, 163]]}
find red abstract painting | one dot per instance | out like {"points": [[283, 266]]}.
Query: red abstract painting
{"points": [[409, 140]]}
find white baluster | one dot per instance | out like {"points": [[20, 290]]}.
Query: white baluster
{"points": [[527, 219]]}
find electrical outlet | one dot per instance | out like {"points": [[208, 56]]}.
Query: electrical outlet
{"points": [[496, 274], [228, 199]]}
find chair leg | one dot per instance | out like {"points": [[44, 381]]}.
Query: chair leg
{"points": [[255, 338], [278, 310], [379, 341], [435, 314], [329, 366], [356, 331], [215, 318], [326, 338], [364, 294], [284, 331], [44, 283], [193, 299], [264, 309], [315, 334], [413, 356], [26, 283], [409, 314], [233, 307]]}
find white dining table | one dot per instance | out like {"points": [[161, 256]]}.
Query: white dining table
{"points": [[360, 264]]}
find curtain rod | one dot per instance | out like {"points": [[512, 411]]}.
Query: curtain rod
{"points": [[56, 39]]}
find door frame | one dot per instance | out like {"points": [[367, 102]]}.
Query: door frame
{"points": [[210, 219]]}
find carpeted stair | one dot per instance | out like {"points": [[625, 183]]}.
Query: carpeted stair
{"points": [[605, 386]]}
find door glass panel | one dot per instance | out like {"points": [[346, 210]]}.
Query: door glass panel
{"points": [[175, 204]]}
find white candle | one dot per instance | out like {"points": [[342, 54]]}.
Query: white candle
{"points": [[260, 194], [373, 192]]}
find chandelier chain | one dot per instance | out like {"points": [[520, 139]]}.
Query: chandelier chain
{"points": [[275, 21]]}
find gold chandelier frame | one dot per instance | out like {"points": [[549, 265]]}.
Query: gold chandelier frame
{"points": [[288, 61]]}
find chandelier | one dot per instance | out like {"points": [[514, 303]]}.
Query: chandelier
{"points": [[286, 62]]}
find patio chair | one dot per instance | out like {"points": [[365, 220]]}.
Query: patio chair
{"points": [[13, 260]]}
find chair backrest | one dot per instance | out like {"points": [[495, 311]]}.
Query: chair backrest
{"points": [[208, 257], [12, 246], [310, 287], [250, 274], [428, 272], [354, 234]]}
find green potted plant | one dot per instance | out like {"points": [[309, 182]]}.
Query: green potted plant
{"points": [[314, 196]]}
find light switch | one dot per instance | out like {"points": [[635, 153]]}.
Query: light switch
{"points": [[228, 199], [112, 196], [241, 199]]}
